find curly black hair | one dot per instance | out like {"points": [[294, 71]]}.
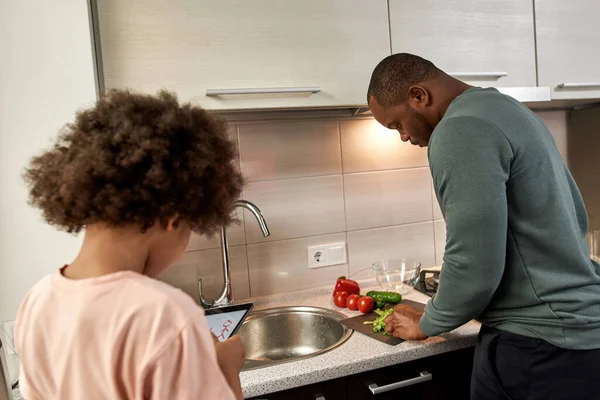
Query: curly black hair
{"points": [[138, 159]]}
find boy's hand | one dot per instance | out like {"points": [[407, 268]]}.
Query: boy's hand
{"points": [[231, 356], [231, 353]]}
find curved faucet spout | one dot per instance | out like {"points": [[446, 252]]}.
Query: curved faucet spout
{"points": [[257, 214], [226, 296]]}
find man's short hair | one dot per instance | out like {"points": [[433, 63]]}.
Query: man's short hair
{"points": [[395, 74]]}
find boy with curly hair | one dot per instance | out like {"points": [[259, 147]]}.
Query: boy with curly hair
{"points": [[138, 174]]}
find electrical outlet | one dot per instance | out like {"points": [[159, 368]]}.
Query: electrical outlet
{"points": [[326, 255], [9, 332]]}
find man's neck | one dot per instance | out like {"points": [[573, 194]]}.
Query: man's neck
{"points": [[451, 89]]}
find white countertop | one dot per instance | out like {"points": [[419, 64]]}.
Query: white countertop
{"points": [[359, 354]]}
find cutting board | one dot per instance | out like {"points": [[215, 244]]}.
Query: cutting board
{"points": [[357, 324]]}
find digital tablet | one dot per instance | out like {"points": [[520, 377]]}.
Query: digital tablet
{"points": [[225, 321]]}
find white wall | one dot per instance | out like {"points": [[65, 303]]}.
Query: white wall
{"points": [[556, 121], [46, 74]]}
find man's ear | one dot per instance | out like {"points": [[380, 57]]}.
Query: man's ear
{"points": [[418, 97]]}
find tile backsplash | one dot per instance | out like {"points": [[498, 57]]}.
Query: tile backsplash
{"points": [[296, 207], [384, 198], [320, 181]]}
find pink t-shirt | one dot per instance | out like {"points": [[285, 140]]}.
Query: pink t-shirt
{"points": [[118, 336]]}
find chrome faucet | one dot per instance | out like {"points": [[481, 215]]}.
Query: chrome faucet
{"points": [[226, 296]]}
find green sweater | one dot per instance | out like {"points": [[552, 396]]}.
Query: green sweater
{"points": [[516, 256]]}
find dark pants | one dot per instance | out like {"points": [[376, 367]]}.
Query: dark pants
{"points": [[509, 366]]}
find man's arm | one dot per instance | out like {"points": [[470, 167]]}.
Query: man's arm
{"points": [[470, 163]]}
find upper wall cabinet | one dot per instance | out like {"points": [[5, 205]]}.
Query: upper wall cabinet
{"points": [[241, 54], [483, 42], [568, 40]]}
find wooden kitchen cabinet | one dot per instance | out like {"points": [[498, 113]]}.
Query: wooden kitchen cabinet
{"points": [[485, 43], [450, 379], [568, 44], [189, 46]]}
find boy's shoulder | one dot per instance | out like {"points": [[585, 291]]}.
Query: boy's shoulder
{"points": [[156, 297], [155, 313], [129, 295]]}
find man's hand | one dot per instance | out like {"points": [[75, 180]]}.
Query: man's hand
{"points": [[403, 323]]}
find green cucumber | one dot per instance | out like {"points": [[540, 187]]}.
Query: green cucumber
{"points": [[385, 297]]}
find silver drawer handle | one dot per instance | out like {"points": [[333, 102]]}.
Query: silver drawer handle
{"points": [[478, 74], [299, 89], [424, 377], [585, 85]]}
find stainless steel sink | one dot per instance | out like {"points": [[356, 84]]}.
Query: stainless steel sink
{"points": [[279, 335]]}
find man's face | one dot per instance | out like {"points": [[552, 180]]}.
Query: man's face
{"points": [[411, 125]]}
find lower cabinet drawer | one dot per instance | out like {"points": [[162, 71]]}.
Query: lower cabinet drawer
{"points": [[440, 377], [390, 383]]}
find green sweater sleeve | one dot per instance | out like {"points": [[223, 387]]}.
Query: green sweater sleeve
{"points": [[470, 163]]}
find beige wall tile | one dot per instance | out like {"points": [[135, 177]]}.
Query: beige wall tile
{"points": [[584, 146], [296, 207], [556, 121], [207, 265], [279, 267], [437, 211], [413, 241], [368, 146], [280, 150], [385, 198], [440, 240], [235, 235]]}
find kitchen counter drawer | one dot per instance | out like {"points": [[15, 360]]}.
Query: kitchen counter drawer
{"points": [[444, 376]]}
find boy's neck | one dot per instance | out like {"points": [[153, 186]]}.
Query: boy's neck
{"points": [[108, 250]]}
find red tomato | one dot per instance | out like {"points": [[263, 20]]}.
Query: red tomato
{"points": [[340, 299], [351, 302], [365, 304]]}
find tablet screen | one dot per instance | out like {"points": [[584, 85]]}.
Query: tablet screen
{"points": [[225, 321]]}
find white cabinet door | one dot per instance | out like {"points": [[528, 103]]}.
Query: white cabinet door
{"points": [[191, 46], [483, 42], [568, 43]]}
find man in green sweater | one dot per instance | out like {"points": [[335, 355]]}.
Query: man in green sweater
{"points": [[516, 257]]}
